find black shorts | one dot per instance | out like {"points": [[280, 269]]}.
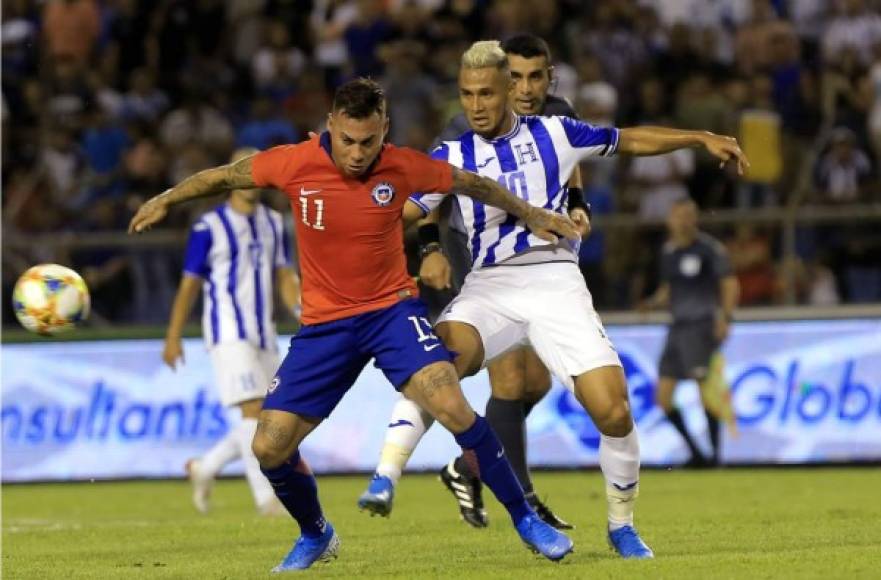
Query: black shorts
{"points": [[689, 348]]}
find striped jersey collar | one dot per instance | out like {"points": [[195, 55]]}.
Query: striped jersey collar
{"points": [[514, 128]]}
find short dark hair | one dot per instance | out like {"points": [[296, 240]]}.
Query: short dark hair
{"points": [[527, 46], [359, 98]]}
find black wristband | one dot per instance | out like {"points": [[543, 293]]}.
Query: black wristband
{"points": [[430, 248], [576, 199], [428, 234]]}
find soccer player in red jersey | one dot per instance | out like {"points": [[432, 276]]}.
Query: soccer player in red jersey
{"points": [[349, 194]]}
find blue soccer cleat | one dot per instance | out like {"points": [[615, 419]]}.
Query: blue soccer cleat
{"points": [[628, 544], [542, 539], [378, 497], [307, 551]]}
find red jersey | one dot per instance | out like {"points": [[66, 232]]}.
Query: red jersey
{"points": [[350, 237]]}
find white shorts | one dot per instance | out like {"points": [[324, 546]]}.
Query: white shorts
{"points": [[545, 305], [242, 371]]}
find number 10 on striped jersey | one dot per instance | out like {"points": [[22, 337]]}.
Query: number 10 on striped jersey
{"points": [[319, 213]]}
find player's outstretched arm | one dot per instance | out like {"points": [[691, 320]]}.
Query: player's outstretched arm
{"points": [[543, 223], [208, 182], [187, 292], [650, 140]]}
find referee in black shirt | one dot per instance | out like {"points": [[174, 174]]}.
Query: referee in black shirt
{"points": [[699, 287]]}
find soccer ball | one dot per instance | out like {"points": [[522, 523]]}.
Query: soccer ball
{"points": [[49, 299]]}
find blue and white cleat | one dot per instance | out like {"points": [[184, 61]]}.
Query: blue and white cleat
{"points": [[542, 539], [307, 551], [628, 544], [378, 497]]}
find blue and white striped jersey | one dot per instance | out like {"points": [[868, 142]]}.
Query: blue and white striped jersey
{"points": [[534, 160], [237, 255]]}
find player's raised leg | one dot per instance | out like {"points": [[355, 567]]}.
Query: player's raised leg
{"points": [[603, 393], [406, 427]]}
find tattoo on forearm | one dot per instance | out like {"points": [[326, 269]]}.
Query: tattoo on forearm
{"points": [[489, 192], [233, 176], [238, 174]]}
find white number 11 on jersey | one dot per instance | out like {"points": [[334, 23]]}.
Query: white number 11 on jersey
{"points": [[319, 213]]}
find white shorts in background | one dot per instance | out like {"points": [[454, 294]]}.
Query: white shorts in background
{"points": [[545, 305], [242, 371]]}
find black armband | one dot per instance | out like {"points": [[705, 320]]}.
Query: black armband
{"points": [[428, 234], [576, 199]]}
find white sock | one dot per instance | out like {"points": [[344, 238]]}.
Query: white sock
{"points": [[407, 426], [224, 451], [619, 461], [260, 486]]}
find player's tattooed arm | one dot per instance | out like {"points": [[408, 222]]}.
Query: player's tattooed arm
{"points": [[236, 175], [543, 223]]}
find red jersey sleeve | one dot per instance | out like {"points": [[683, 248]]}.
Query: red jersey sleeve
{"points": [[426, 174], [274, 167]]}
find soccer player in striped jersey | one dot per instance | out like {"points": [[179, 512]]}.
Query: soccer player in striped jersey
{"points": [[236, 255], [518, 378], [350, 193], [523, 290]]}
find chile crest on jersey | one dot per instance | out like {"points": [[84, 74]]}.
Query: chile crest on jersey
{"points": [[383, 193]]}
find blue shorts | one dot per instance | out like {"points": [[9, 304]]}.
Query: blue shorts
{"points": [[324, 360]]}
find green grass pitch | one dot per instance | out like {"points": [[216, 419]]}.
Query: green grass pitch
{"points": [[789, 523]]}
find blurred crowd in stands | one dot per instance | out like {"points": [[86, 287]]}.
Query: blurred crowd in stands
{"points": [[107, 102]]}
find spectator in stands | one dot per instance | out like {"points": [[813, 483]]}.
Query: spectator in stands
{"points": [[329, 21], [842, 173], [364, 35], [266, 127], [411, 94], [144, 101], [71, 29], [197, 122], [750, 252], [854, 26], [276, 66], [759, 130]]}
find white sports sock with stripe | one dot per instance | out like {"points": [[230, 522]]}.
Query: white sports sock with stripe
{"points": [[619, 461], [407, 426]]}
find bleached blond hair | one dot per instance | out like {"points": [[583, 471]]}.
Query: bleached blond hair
{"points": [[485, 54]]}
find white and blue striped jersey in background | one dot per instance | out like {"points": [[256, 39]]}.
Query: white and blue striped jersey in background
{"points": [[534, 160], [237, 255]]}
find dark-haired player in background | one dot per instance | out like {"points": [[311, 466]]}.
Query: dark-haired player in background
{"points": [[349, 194], [518, 378]]}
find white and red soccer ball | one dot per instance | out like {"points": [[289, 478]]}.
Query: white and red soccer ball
{"points": [[49, 299]]}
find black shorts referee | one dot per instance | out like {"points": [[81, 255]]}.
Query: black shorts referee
{"points": [[698, 285]]}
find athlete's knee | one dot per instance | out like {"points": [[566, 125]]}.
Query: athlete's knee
{"points": [[538, 383], [615, 419], [266, 453], [271, 445]]}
